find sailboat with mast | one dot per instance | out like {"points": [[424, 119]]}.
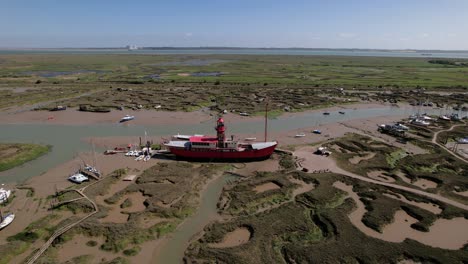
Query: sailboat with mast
{"points": [[220, 148], [93, 168]]}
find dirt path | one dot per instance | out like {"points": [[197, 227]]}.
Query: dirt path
{"points": [[310, 160], [434, 141]]}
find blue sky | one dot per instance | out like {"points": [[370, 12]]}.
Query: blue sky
{"points": [[398, 24]]}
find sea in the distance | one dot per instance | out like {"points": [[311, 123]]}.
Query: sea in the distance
{"points": [[250, 51]]}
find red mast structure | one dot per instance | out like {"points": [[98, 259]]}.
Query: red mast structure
{"points": [[220, 132]]}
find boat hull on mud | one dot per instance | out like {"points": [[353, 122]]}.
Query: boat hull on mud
{"points": [[223, 154]]}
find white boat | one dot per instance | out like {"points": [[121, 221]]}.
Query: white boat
{"points": [[127, 118], [140, 157], [146, 158], [6, 220], [78, 178], [425, 117], [299, 135], [4, 194], [463, 140], [444, 117], [244, 114], [400, 126], [250, 139], [92, 169], [420, 122]]}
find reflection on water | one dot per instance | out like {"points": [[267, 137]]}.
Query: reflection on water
{"points": [[66, 140]]}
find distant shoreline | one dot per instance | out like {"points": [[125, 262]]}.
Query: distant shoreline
{"points": [[232, 51], [235, 48]]}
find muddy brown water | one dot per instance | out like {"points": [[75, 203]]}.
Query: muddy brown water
{"points": [[172, 249]]}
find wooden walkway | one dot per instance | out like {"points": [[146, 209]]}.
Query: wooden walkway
{"points": [[64, 229]]}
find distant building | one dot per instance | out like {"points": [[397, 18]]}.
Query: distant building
{"points": [[132, 47]]}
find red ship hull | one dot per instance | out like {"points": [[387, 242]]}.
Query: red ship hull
{"points": [[223, 154]]}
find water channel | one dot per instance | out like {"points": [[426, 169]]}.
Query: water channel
{"points": [[67, 140]]}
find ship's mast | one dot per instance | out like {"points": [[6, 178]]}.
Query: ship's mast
{"points": [[220, 129], [266, 120]]}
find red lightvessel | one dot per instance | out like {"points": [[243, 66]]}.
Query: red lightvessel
{"points": [[220, 148]]}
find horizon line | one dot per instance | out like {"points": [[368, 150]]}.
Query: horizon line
{"points": [[223, 47]]}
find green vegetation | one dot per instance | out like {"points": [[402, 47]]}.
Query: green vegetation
{"points": [[12, 155], [40, 229], [453, 135], [287, 161], [394, 157], [449, 62], [233, 82], [132, 251], [126, 203], [437, 165], [91, 243], [84, 259], [316, 229]]}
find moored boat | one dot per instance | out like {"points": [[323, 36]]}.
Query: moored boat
{"points": [[219, 148], [444, 117], [299, 135], [78, 178], [127, 118], [4, 195], [6, 219]]}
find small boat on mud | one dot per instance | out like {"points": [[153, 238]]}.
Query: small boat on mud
{"points": [[78, 178], [420, 122], [127, 118], [341, 112], [316, 131], [444, 117], [299, 135], [6, 219], [59, 108], [4, 195], [89, 168], [326, 113], [244, 114]]}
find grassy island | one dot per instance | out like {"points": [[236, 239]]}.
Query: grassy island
{"points": [[16, 154]]}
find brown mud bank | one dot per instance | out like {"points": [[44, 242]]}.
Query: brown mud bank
{"points": [[444, 233]]}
